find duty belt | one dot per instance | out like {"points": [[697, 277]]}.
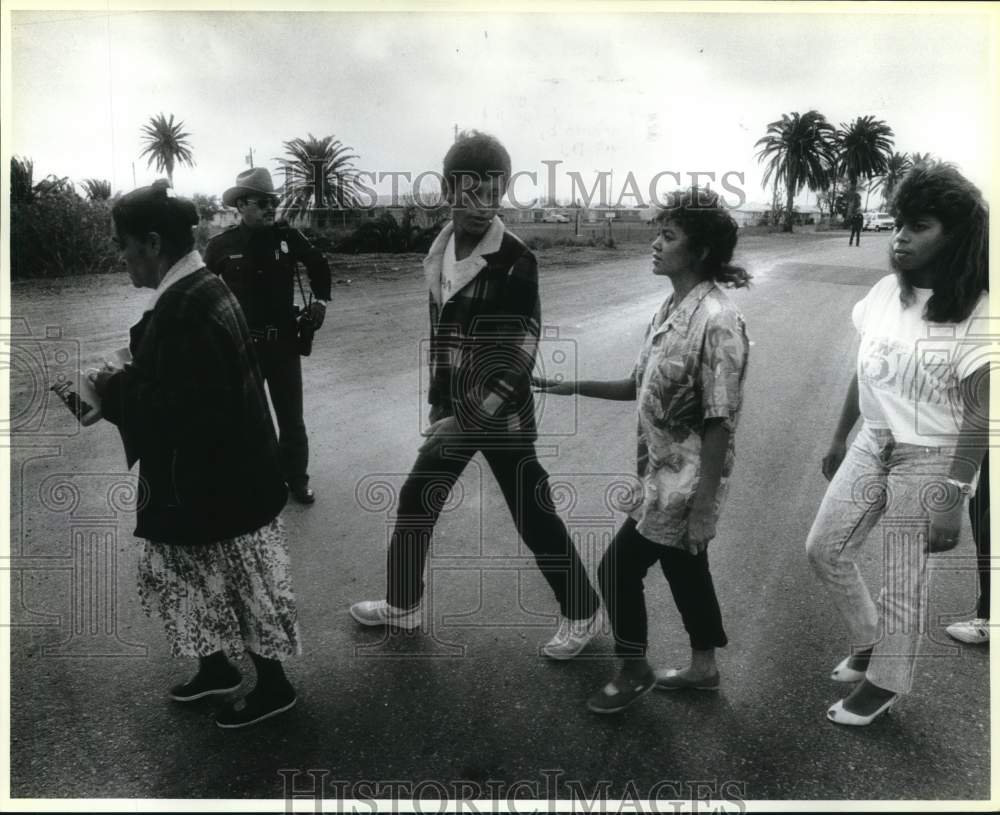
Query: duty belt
{"points": [[269, 333]]}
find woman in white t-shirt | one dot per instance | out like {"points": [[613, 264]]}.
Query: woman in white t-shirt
{"points": [[921, 386]]}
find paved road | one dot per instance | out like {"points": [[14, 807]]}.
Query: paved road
{"points": [[471, 699]]}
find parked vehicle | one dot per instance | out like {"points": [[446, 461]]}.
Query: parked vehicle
{"points": [[877, 221], [554, 218]]}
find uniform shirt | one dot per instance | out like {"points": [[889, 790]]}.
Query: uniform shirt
{"points": [[690, 369], [909, 369], [259, 266]]}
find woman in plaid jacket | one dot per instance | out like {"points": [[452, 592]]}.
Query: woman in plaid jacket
{"points": [[484, 310], [191, 410]]}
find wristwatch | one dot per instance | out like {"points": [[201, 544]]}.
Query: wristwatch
{"points": [[963, 488]]}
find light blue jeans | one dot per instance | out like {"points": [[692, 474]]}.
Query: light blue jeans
{"points": [[881, 480]]}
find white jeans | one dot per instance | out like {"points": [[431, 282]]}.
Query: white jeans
{"points": [[881, 479]]}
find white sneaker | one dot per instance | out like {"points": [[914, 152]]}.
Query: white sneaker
{"points": [[974, 632], [379, 612], [570, 637]]}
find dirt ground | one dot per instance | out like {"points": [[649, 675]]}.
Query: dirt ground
{"points": [[63, 324], [89, 669]]}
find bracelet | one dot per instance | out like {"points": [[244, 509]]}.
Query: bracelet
{"points": [[963, 488]]}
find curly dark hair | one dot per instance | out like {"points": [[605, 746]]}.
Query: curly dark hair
{"points": [[156, 209], [476, 155], [704, 219], [938, 189]]}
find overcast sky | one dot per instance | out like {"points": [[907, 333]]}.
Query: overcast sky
{"points": [[641, 93]]}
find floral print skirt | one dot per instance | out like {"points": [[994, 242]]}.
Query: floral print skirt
{"points": [[226, 596]]}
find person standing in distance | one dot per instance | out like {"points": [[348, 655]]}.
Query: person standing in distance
{"points": [[257, 259], [857, 222]]}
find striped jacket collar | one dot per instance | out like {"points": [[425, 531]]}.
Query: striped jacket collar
{"points": [[189, 264], [465, 269]]}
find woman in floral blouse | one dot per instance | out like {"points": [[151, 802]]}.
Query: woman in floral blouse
{"points": [[688, 382]]}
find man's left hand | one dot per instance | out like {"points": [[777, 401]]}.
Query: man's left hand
{"points": [[700, 526], [441, 432], [317, 313], [946, 524], [99, 379]]}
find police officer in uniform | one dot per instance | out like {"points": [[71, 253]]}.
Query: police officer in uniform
{"points": [[257, 259]]}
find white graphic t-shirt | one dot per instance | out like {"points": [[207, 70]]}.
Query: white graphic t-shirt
{"points": [[909, 369]]}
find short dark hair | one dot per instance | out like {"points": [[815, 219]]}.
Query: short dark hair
{"points": [[938, 189], [156, 209], [477, 155], [704, 219]]}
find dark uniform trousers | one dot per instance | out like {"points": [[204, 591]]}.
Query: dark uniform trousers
{"points": [[281, 368], [259, 266]]}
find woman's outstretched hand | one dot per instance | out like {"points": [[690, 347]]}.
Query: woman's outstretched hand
{"points": [[553, 386], [946, 521], [833, 459], [701, 525], [99, 379], [440, 432]]}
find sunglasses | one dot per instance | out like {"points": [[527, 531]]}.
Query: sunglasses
{"points": [[264, 203]]}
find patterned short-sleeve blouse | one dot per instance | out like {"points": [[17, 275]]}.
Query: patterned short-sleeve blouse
{"points": [[691, 369]]}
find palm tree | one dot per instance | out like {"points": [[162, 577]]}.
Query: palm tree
{"points": [[896, 168], [22, 181], [920, 158], [319, 177], [23, 190], [797, 149], [167, 144], [97, 189], [863, 150]]}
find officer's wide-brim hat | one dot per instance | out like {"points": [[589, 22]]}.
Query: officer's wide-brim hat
{"points": [[256, 181]]}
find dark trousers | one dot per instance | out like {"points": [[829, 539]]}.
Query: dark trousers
{"points": [[525, 486], [979, 515], [621, 574], [281, 367], [855, 236]]}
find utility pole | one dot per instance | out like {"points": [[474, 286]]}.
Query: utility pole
{"points": [[134, 184], [249, 157]]}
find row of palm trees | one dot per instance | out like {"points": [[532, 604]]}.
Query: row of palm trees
{"points": [[800, 150], [319, 172], [804, 150]]}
